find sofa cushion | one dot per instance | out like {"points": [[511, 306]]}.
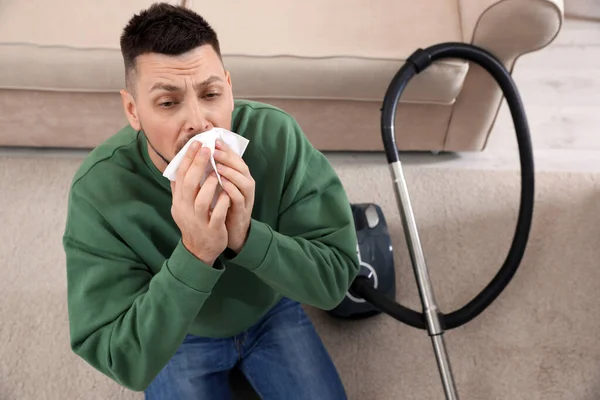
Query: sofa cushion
{"points": [[335, 49], [65, 45], [339, 78]]}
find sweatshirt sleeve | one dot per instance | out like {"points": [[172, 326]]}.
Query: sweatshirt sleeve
{"points": [[124, 321], [310, 255]]}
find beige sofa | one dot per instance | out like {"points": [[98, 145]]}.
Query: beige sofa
{"points": [[327, 63]]}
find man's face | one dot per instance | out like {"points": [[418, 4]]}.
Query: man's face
{"points": [[177, 97]]}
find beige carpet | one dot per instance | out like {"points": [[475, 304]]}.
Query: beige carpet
{"points": [[538, 341]]}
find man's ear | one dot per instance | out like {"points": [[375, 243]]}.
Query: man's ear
{"points": [[131, 111]]}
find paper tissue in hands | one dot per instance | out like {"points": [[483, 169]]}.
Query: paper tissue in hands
{"points": [[236, 142]]}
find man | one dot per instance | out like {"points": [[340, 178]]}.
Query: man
{"points": [[167, 295]]}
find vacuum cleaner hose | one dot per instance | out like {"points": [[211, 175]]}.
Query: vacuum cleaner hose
{"points": [[416, 63]]}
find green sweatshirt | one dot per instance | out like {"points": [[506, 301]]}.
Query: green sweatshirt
{"points": [[134, 291]]}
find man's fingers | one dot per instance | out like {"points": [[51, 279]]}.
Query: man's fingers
{"points": [[206, 194], [220, 144], [236, 196], [244, 184], [232, 160], [190, 154], [219, 213], [194, 174]]}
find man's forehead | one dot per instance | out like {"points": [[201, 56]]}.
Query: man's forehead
{"points": [[203, 58]]}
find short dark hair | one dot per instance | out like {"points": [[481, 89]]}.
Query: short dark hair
{"points": [[165, 29]]}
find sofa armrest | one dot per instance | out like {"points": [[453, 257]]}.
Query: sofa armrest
{"points": [[507, 29], [532, 25]]}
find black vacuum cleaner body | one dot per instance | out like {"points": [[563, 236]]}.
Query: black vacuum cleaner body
{"points": [[376, 257]]}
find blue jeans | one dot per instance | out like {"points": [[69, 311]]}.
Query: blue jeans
{"points": [[281, 356]]}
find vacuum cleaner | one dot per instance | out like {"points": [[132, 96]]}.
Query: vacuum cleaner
{"points": [[373, 290]]}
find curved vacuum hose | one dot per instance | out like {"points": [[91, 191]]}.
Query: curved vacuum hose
{"points": [[416, 63]]}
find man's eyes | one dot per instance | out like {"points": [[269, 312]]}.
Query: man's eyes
{"points": [[167, 104], [171, 103]]}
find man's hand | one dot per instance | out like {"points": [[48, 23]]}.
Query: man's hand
{"points": [[239, 185], [203, 233]]}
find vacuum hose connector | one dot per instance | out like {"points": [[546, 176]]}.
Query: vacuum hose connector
{"points": [[416, 63]]}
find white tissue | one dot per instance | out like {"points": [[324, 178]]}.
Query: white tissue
{"points": [[208, 139]]}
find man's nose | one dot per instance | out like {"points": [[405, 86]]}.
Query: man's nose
{"points": [[196, 118]]}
